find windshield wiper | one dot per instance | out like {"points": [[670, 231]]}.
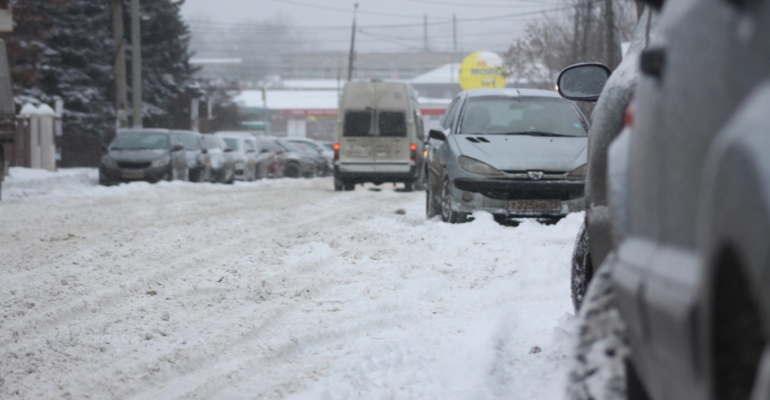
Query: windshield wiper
{"points": [[538, 133]]}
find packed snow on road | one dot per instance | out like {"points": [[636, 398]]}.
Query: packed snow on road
{"points": [[278, 289]]}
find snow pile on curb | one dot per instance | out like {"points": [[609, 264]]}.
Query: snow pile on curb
{"points": [[23, 183]]}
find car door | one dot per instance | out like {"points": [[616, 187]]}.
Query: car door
{"points": [[440, 149], [391, 142]]}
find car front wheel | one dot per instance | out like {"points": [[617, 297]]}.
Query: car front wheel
{"points": [[447, 213]]}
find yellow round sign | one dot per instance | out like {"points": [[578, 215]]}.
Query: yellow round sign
{"points": [[482, 69]]}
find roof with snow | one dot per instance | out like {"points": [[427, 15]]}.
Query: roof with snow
{"points": [[448, 73], [290, 99]]}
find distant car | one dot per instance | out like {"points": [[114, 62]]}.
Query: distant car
{"points": [[243, 147], [198, 161], [221, 158], [143, 155], [297, 163], [513, 153], [270, 158], [324, 157]]}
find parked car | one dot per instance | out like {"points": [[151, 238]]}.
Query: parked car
{"points": [[7, 111], [271, 159], [243, 148], [513, 153], [324, 156], [221, 158], [143, 155], [380, 138], [297, 163], [685, 283], [198, 162]]}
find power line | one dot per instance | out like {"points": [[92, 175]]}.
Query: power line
{"points": [[381, 14]]}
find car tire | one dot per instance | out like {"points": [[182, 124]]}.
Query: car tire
{"points": [[338, 185], [598, 367], [431, 207], [408, 186], [582, 268], [292, 170], [349, 187], [447, 213]]}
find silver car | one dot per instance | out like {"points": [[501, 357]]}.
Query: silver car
{"points": [[513, 153]]}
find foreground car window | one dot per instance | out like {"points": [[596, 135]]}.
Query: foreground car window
{"points": [[526, 115], [137, 141], [357, 123], [391, 123]]}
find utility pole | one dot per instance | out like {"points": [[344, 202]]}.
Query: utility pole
{"points": [[425, 32], [136, 60], [121, 100], [352, 45], [610, 49], [454, 32]]}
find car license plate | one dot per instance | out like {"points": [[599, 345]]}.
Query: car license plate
{"points": [[133, 174], [534, 205]]}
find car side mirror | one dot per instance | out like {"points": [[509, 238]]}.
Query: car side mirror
{"points": [[583, 82], [177, 147], [436, 134], [265, 151], [204, 151], [227, 150]]}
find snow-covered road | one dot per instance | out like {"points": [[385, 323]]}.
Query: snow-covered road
{"points": [[272, 290]]}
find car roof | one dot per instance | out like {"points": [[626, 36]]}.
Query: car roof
{"points": [[187, 132], [142, 130], [513, 93]]}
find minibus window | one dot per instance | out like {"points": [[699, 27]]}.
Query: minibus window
{"points": [[392, 123], [357, 123]]}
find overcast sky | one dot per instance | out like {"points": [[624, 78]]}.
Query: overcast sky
{"points": [[387, 25]]}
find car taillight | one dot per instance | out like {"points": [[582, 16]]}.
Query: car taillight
{"points": [[336, 151], [628, 119], [413, 148]]}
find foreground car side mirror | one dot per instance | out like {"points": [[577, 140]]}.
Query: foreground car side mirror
{"points": [[583, 82], [436, 134]]}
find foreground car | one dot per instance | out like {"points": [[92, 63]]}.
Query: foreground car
{"points": [[143, 155], [686, 281], [508, 152]]}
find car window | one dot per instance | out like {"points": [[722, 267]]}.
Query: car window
{"points": [[391, 123], [232, 143], [190, 142], [418, 126], [210, 142], [446, 122], [140, 141], [521, 115], [357, 123]]}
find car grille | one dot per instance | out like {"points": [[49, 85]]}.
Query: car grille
{"points": [[133, 165]]}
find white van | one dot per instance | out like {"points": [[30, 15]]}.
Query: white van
{"points": [[380, 136]]}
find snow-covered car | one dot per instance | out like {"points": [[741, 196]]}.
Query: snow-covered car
{"points": [[143, 155], [685, 283], [513, 153], [221, 158], [198, 160], [584, 82], [243, 147]]}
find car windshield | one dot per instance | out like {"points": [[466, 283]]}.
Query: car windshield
{"points": [[232, 143], [140, 141], [190, 142], [537, 116], [289, 146], [210, 142]]}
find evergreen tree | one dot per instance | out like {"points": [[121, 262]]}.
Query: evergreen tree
{"points": [[65, 48]]}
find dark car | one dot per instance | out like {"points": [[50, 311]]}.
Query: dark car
{"points": [[243, 148], [197, 158], [324, 157], [685, 283], [297, 163], [143, 155], [221, 158], [270, 158]]}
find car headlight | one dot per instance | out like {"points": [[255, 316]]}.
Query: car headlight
{"points": [[579, 172], [161, 162], [109, 162], [477, 167]]}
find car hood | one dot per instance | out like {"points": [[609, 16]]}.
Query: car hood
{"points": [[524, 153], [137, 155]]}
